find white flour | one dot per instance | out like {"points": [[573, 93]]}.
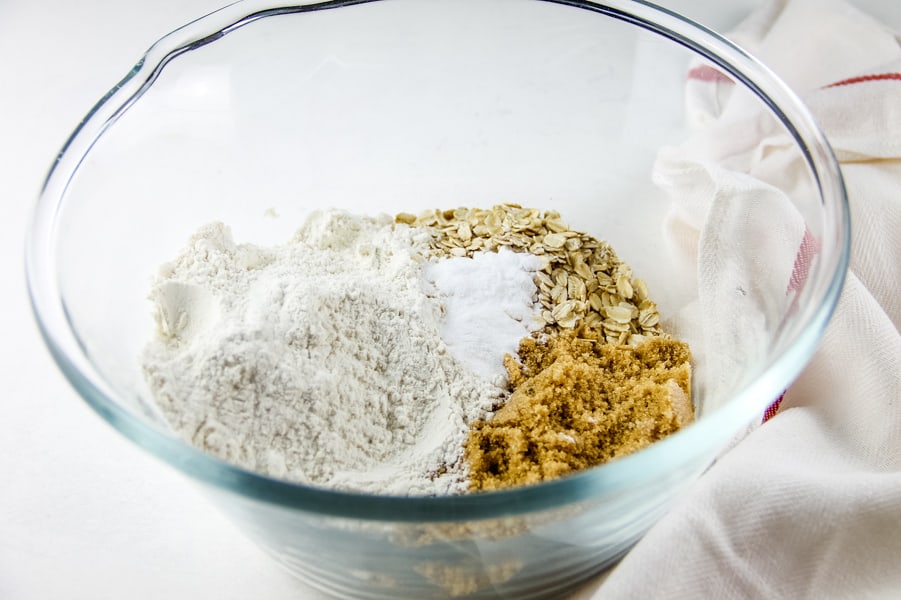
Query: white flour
{"points": [[319, 361]]}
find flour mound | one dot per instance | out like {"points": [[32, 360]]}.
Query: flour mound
{"points": [[319, 361]]}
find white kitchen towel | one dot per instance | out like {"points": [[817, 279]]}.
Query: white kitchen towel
{"points": [[807, 505]]}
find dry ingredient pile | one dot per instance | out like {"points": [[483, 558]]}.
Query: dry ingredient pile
{"points": [[452, 351]]}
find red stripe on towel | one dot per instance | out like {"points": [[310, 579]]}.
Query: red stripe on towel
{"points": [[865, 78], [810, 247], [773, 408], [708, 73]]}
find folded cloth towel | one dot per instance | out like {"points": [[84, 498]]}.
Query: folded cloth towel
{"points": [[808, 504]]}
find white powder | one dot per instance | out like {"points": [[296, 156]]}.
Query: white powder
{"points": [[321, 360], [490, 301]]}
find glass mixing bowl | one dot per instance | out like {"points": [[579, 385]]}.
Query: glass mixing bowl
{"points": [[264, 109]]}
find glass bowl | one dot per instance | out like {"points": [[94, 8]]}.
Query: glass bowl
{"points": [[263, 109]]}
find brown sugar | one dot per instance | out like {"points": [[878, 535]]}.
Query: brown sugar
{"points": [[577, 402]]}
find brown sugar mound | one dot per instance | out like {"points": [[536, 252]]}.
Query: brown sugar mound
{"points": [[577, 402]]}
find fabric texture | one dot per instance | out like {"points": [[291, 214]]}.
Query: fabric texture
{"points": [[808, 504]]}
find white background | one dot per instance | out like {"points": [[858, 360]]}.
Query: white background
{"points": [[83, 512]]}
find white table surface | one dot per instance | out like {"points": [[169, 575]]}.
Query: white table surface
{"points": [[83, 512]]}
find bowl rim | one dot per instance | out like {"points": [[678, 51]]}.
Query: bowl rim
{"points": [[701, 441]]}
